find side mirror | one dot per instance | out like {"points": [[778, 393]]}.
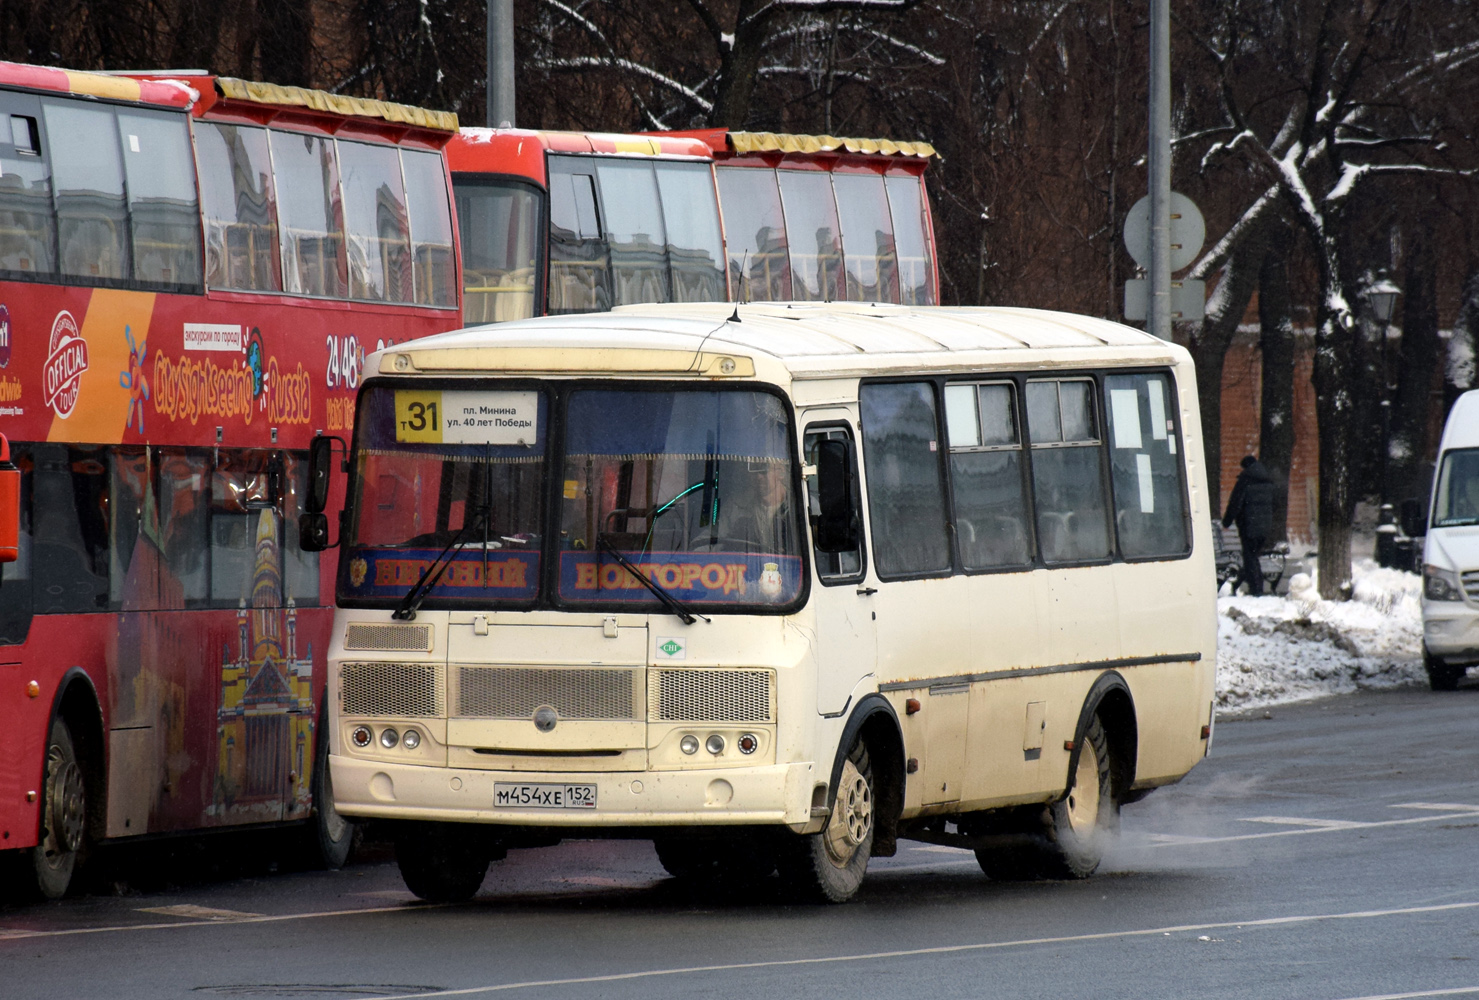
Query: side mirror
{"points": [[10, 505], [320, 470], [1414, 524], [313, 532], [836, 527]]}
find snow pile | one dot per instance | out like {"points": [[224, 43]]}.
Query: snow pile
{"points": [[1278, 649]]}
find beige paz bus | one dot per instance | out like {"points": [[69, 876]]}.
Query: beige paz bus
{"points": [[773, 585]]}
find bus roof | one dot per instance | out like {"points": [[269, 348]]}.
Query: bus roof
{"points": [[168, 93], [723, 141], [780, 339]]}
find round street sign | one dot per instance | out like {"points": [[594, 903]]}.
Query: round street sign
{"points": [[1188, 231]]}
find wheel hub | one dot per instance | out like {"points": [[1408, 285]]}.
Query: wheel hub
{"points": [[1083, 799], [852, 816], [65, 807]]}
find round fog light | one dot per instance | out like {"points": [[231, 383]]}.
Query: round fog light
{"points": [[688, 744], [389, 738], [411, 740], [361, 736], [714, 744], [747, 743]]}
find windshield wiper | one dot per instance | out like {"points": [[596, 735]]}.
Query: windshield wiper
{"points": [[432, 574], [652, 519], [603, 544]]}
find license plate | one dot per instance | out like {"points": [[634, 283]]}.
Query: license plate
{"points": [[520, 796]]}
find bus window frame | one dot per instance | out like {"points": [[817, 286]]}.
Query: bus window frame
{"points": [[541, 231], [1019, 379], [853, 443], [608, 279]]}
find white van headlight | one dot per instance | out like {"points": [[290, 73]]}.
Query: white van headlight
{"points": [[1441, 584]]}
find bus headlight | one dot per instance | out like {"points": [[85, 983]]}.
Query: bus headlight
{"points": [[411, 739], [748, 744], [1441, 584], [360, 736], [389, 738], [714, 744], [688, 744]]}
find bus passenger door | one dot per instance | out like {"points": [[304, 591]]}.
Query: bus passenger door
{"points": [[846, 635]]}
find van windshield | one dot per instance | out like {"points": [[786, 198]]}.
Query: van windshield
{"points": [[1457, 501]]}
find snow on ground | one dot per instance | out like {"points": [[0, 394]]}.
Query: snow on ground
{"points": [[1280, 649]]}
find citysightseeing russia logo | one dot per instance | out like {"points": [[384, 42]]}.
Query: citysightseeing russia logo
{"points": [[66, 360]]}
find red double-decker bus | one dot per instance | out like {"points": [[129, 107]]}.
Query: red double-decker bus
{"points": [[191, 270], [564, 222]]}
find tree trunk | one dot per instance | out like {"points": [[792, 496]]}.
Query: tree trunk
{"points": [[1276, 345], [739, 68], [1334, 408], [285, 42], [1406, 442], [1209, 350]]}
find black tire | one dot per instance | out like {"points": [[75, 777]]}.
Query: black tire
{"points": [[732, 860], [63, 835], [1066, 840], [828, 867], [329, 838], [442, 862], [1442, 676]]}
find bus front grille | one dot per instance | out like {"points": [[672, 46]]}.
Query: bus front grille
{"points": [[697, 695], [573, 692], [391, 689], [393, 638]]}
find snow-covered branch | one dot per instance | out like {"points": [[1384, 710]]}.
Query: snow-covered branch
{"points": [[1352, 173]]}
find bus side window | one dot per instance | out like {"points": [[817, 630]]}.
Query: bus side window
{"points": [[27, 222], [376, 229], [311, 218], [434, 265], [240, 207], [867, 238], [992, 527], [911, 236], [164, 217], [92, 222], [579, 269], [633, 226], [691, 212], [1067, 479], [812, 234], [183, 503], [755, 231], [833, 567], [1145, 467], [70, 487], [299, 568], [241, 513], [498, 224], [905, 494]]}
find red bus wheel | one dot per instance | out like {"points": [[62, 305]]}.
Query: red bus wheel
{"points": [[63, 816]]}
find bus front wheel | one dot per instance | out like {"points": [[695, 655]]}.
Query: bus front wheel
{"points": [[329, 836], [1441, 676], [828, 867], [63, 816], [443, 862]]}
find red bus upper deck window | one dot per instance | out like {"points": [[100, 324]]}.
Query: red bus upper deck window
{"points": [[27, 222], [163, 215], [867, 238], [435, 265], [498, 223], [240, 207], [911, 235], [811, 222], [310, 217], [375, 223], [755, 231], [92, 220]]}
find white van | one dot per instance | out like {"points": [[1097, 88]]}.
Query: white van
{"points": [[1451, 551]]}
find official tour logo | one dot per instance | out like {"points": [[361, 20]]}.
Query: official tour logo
{"points": [[66, 360], [4, 337]]}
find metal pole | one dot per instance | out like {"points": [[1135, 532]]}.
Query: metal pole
{"points": [[1159, 315], [500, 63]]}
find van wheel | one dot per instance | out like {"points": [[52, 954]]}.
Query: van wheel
{"points": [[1442, 676], [828, 867], [442, 862], [330, 837], [63, 816], [1067, 839]]}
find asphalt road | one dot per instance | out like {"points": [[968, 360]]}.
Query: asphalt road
{"points": [[1328, 852]]}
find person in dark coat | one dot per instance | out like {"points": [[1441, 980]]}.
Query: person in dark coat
{"points": [[1252, 507]]}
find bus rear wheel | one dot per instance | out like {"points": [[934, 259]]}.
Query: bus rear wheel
{"points": [[442, 862], [63, 816], [1068, 838], [828, 867]]}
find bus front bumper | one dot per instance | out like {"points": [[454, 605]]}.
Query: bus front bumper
{"points": [[778, 794]]}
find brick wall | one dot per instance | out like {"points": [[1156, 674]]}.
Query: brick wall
{"points": [[1241, 390]]}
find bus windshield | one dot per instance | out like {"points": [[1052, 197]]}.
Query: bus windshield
{"points": [[1457, 501], [694, 489]]}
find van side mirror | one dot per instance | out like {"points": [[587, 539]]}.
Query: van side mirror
{"points": [[10, 505], [320, 471], [836, 528], [1414, 525], [313, 532]]}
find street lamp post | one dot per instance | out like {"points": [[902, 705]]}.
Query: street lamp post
{"points": [[1381, 298]]}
